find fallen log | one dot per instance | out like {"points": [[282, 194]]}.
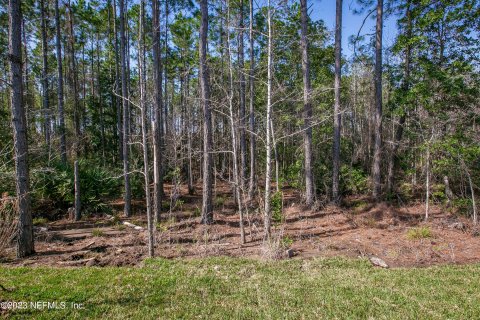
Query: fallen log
{"points": [[76, 262], [88, 245], [131, 225]]}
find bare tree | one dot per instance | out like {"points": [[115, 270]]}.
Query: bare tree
{"points": [[61, 114], [25, 244], [378, 102], [337, 117], [252, 180], [126, 111], [241, 67], [307, 107], [268, 169], [237, 176], [141, 71]]}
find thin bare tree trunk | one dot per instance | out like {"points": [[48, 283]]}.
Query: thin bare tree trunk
{"points": [[337, 117], [141, 71], [191, 188], [74, 78], [427, 184], [236, 174], [100, 102], [307, 107], [126, 111], [78, 203], [275, 157], [392, 162], [470, 183], [268, 169], [165, 65], [252, 180], [45, 100], [118, 105], [158, 113], [27, 95], [61, 113], [241, 66], [378, 103], [25, 244], [207, 207]]}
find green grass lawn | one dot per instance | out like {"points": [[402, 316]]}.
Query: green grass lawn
{"points": [[232, 288]]}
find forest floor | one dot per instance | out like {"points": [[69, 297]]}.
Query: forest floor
{"points": [[360, 228]]}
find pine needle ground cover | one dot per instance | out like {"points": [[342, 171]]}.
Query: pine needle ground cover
{"points": [[235, 288]]}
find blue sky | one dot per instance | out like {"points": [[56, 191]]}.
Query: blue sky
{"points": [[325, 10]]}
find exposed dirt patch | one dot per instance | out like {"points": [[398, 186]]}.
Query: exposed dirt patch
{"points": [[359, 228]]}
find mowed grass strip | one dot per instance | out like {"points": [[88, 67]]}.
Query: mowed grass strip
{"points": [[233, 288]]}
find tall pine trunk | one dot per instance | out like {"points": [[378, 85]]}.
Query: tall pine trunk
{"points": [[126, 111], [307, 107], [337, 117], [158, 112], [117, 89], [164, 131], [45, 100], [378, 103], [74, 84], [207, 207], [25, 245], [61, 113]]}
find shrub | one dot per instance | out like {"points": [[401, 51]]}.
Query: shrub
{"points": [[353, 180], [98, 233], [178, 204], [276, 204], [197, 212], [406, 190], [463, 205], [137, 185], [39, 221], [275, 248], [172, 174], [7, 181], [55, 186], [120, 227], [419, 233], [293, 174], [287, 242], [438, 193], [219, 201]]}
